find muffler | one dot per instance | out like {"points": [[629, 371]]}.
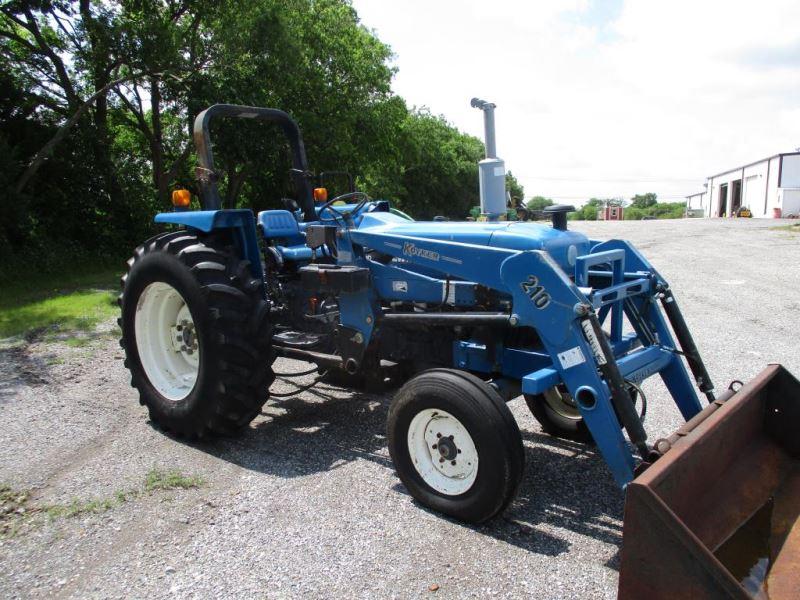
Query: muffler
{"points": [[717, 515]]}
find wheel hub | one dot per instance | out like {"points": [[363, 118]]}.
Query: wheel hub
{"points": [[447, 448], [184, 337], [167, 341], [443, 451]]}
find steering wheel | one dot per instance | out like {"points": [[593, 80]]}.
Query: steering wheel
{"points": [[336, 214]]}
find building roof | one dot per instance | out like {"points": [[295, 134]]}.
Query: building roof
{"points": [[755, 162]]}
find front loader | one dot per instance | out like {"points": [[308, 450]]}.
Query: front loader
{"points": [[470, 315]]}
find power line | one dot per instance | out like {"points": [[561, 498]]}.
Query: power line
{"points": [[622, 179], [587, 196]]}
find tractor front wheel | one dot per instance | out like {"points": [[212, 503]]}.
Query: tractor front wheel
{"points": [[455, 444], [196, 334], [558, 414]]}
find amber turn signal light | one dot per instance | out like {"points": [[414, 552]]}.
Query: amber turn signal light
{"points": [[320, 194], [181, 198]]}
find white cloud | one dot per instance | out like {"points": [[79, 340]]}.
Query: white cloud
{"points": [[594, 95]]}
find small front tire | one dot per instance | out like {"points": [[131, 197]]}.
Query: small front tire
{"points": [[558, 414], [455, 445]]}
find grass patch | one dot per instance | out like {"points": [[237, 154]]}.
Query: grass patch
{"points": [[17, 510], [75, 301], [12, 501], [792, 227], [78, 342], [31, 287], [79, 310], [77, 507], [13, 510], [170, 480]]}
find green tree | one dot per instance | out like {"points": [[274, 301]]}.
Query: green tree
{"points": [[644, 200], [515, 190], [660, 210], [129, 77], [539, 203], [438, 171], [588, 212]]}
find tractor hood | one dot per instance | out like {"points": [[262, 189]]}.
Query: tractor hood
{"points": [[562, 246]]}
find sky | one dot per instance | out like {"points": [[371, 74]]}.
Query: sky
{"points": [[605, 99]]}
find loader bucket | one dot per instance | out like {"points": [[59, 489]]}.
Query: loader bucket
{"points": [[716, 515]]}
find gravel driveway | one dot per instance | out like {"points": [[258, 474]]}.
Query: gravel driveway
{"points": [[306, 500]]}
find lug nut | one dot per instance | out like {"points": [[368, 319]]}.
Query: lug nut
{"points": [[438, 435], [434, 446], [459, 450], [441, 460], [453, 463]]}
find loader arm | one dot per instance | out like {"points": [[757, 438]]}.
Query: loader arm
{"points": [[547, 300]]}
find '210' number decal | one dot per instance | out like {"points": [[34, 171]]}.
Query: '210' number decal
{"points": [[535, 291]]}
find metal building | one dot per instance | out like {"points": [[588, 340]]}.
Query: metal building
{"points": [[769, 188]]}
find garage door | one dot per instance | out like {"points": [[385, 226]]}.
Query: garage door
{"points": [[754, 195]]}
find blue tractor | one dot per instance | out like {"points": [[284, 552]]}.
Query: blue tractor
{"points": [[467, 314]]}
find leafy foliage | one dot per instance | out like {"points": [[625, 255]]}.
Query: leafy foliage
{"points": [[97, 191], [539, 203], [587, 212], [659, 210], [515, 190], [644, 200], [641, 206]]}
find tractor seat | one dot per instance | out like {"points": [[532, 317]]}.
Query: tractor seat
{"points": [[280, 224]]}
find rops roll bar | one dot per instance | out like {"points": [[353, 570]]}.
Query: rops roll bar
{"points": [[207, 177]]}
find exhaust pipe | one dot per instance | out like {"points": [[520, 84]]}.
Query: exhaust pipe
{"points": [[491, 170]]}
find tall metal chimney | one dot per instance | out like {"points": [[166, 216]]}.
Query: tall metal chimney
{"points": [[491, 170]]}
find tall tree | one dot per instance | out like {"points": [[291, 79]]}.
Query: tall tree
{"points": [[118, 84], [539, 203], [515, 190], [440, 172], [644, 200]]}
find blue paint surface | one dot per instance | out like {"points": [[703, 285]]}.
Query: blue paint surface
{"points": [[545, 275]]}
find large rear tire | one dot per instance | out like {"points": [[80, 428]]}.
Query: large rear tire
{"points": [[196, 334], [455, 444]]}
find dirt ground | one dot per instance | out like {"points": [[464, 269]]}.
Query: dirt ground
{"points": [[306, 502]]}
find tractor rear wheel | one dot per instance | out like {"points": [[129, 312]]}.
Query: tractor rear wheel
{"points": [[196, 334], [558, 414], [455, 444]]}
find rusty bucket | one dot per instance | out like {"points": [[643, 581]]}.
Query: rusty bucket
{"points": [[716, 515]]}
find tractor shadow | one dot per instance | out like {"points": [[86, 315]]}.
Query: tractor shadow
{"points": [[566, 491], [566, 486], [321, 429]]}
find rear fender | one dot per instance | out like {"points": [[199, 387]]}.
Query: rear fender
{"points": [[241, 221]]}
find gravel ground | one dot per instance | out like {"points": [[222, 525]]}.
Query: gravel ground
{"points": [[306, 500]]}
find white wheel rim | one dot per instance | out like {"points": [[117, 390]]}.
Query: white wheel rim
{"points": [[442, 451], [166, 340], [561, 406]]}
